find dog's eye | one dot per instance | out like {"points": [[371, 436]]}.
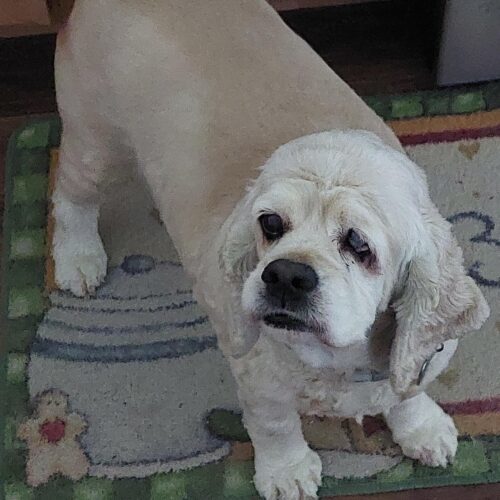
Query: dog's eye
{"points": [[355, 243], [272, 226]]}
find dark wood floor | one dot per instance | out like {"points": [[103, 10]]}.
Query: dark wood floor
{"points": [[27, 75], [385, 47], [480, 492], [377, 47]]}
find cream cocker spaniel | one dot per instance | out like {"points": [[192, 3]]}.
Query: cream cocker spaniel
{"points": [[328, 264]]}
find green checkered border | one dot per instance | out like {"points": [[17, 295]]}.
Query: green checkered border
{"points": [[23, 303], [22, 300], [452, 101]]}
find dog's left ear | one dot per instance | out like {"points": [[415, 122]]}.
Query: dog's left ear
{"points": [[437, 302]]}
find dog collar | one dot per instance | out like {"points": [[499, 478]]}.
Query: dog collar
{"points": [[360, 375]]}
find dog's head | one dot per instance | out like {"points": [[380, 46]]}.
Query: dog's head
{"points": [[337, 228]]}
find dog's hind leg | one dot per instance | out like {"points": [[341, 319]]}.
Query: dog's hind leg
{"points": [[78, 252], [90, 143], [89, 146]]}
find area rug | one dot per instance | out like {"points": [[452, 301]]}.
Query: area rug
{"points": [[125, 395]]}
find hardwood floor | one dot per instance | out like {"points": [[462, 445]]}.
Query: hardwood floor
{"points": [[377, 47], [27, 75], [382, 47], [479, 492]]}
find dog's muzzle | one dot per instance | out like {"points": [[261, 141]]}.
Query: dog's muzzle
{"points": [[289, 284]]}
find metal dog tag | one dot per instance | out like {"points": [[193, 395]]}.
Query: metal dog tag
{"points": [[423, 370]]}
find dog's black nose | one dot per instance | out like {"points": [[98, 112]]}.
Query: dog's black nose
{"points": [[287, 282]]}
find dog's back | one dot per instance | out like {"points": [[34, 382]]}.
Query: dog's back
{"points": [[198, 91]]}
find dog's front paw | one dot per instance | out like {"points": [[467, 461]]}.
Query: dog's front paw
{"points": [[424, 431], [433, 444], [80, 266], [289, 481]]}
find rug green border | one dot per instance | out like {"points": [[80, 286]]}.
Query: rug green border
{"points": [[37, 149], [458, 100], [224, 479]]}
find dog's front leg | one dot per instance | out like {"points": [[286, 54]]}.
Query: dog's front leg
{"points": [[423, 430], [285, 466]]}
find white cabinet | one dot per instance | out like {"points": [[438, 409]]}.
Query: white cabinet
{"points": [[470, 42]]}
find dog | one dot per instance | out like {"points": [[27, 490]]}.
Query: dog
{"points": [[310, 236]]}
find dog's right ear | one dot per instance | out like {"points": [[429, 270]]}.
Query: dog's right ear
{"points": [[237, 259], [238, 251]]}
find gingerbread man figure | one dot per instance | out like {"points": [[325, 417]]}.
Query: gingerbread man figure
{"points": [[51, 438]]}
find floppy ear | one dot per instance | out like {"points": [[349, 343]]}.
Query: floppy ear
{"points": [[438, 302], [237, 259], [238, 251]]}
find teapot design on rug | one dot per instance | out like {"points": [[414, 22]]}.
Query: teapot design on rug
{"points": [[143, 339], [51, 435]]}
